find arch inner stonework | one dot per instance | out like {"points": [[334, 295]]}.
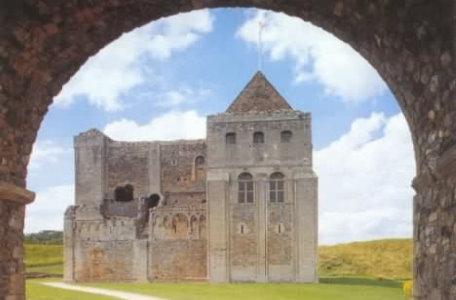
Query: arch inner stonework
{"points": [[411, 43]]}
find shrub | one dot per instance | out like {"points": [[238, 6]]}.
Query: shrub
{"points": [[407, 287]]}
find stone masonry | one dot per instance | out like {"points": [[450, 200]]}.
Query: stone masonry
{"points": [[238, 206], [411, 43]]}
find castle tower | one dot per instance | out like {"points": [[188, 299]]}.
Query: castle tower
{"points": [[261, 190]]}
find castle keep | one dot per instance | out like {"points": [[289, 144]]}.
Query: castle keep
{"points": [[238, 206]]}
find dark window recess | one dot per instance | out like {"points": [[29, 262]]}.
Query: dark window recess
{"points": [[245, 188], [258, 137], [124, 193], [152, 201], [276, 187], [199, 161], [230, 138], [285, 136]]}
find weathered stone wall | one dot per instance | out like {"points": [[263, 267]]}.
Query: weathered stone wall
{"points": [[104, 250], [178, 244], [271, 124], [127, 163], [179, 169], [112, 208], [178, 259], [256, 250], [410, 43], [105, 238], [243, 242]]}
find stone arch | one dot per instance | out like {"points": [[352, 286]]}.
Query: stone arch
{"points": [[199, 168], [202, 227], [194, 227], [410, 43], [180, 226]]}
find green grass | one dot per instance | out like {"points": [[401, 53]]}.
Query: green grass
{"points": [[51, 269], [39, 256], [37, 291], [328, 289], [344, 289]]}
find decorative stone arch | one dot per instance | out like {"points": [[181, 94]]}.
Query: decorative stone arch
{"points": [[194, 227], [199, 168], [202, 227], [409, 42], [180, 225]]}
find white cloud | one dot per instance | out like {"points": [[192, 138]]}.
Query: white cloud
{"points": [[47, 212], [182, 95], [47, 152], [364, 181], [117, 68], [318, 55], [170, 126]]}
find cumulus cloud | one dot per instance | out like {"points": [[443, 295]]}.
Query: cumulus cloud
{"points": [[117, 68], [46, 213], [181, 96], [319, 56], [170, 126], [364, 181], [47, 152]]}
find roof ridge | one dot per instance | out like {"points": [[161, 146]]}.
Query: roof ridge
{"points": [[259, 95]]}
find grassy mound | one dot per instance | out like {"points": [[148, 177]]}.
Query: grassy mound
{"points": [[379, 259]]}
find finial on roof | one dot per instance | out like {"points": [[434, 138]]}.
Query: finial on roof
{"points": [[259, 95]]}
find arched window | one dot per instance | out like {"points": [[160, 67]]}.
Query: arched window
{"points": [[230, 138], [199, 161], [258, 137], [276, 187], [285, 136], [245, 188], [199, 172]]}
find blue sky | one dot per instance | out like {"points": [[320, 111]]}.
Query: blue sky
{"points": [[161, 80]]}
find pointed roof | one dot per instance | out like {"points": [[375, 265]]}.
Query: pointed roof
{"points": [[258, 96]]}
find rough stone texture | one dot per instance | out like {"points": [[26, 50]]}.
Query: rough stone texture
{"points": [[110, 239], [258, 96], [411, 43]]}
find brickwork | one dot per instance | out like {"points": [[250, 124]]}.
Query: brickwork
{"points": [[410, 43]]}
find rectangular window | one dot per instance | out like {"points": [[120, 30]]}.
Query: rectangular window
{"points": [[279, 196], [249, 196], [230, 138], [272, 196]]}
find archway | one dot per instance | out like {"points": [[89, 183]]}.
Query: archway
{"points": [[410, 43]]}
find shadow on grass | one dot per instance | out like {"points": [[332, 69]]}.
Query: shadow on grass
{"points": [[361, 281]]}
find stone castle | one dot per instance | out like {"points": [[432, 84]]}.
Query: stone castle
{"points": [[238, 206]]}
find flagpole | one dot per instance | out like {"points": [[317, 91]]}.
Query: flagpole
{"points": [[260, 45]]}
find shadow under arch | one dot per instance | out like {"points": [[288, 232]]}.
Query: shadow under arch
{"points": [[399, 38]]}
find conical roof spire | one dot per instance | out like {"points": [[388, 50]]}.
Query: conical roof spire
{"points": [[258, 96]]}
